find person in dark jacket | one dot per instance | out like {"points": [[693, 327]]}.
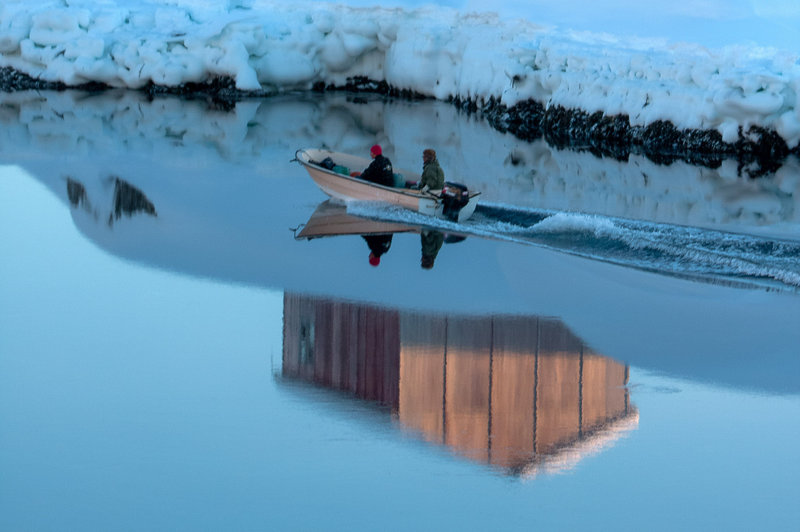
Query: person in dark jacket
{"points": [[380, 169]]}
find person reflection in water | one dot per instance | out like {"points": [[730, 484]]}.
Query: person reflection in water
{"points": [[378, 245], [431, 244]]}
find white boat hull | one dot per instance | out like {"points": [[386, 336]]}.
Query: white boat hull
{"points": [[347, 188]]}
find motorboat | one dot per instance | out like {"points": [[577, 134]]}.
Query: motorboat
{"points": [[331, 171]]}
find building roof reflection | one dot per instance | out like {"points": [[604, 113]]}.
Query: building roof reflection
{"points": [[521, 394]]}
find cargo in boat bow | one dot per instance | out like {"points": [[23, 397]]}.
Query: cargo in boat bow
{"points": [[331, 172]]}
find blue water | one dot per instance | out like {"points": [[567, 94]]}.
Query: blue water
{"points": [[194, 367]]}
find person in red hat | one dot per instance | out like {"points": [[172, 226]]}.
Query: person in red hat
{"points": [[380, 169]]}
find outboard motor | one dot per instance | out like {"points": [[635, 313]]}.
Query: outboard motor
{"points": [[454, 197]]}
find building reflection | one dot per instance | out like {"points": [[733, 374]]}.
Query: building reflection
{"points": [[522, 394]]}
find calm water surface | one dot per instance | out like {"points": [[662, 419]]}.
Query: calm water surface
{"points": [[175, 354]]}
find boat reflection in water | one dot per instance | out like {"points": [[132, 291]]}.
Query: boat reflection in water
{"points": [[521, 394], [332, 219]]}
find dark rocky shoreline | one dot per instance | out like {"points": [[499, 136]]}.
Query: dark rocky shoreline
{"points": [[759, 152]]}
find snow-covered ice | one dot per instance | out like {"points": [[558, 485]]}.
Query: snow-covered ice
{"points": [[460, 51]]}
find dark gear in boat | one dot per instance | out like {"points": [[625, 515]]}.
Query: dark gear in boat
{"points": [[454, 197]]}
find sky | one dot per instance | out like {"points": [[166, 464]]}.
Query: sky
{"points": [[711, 23]]}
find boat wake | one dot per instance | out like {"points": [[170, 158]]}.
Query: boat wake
{"points": [[689, 252]]}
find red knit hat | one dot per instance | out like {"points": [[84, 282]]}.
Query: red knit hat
{"points": [[376, 150], [374, 259]]}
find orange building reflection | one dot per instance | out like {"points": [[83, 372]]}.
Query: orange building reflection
{"points": [[519, 393]]}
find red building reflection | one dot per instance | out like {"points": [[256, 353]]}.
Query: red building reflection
{"points": [[519, 393]]}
